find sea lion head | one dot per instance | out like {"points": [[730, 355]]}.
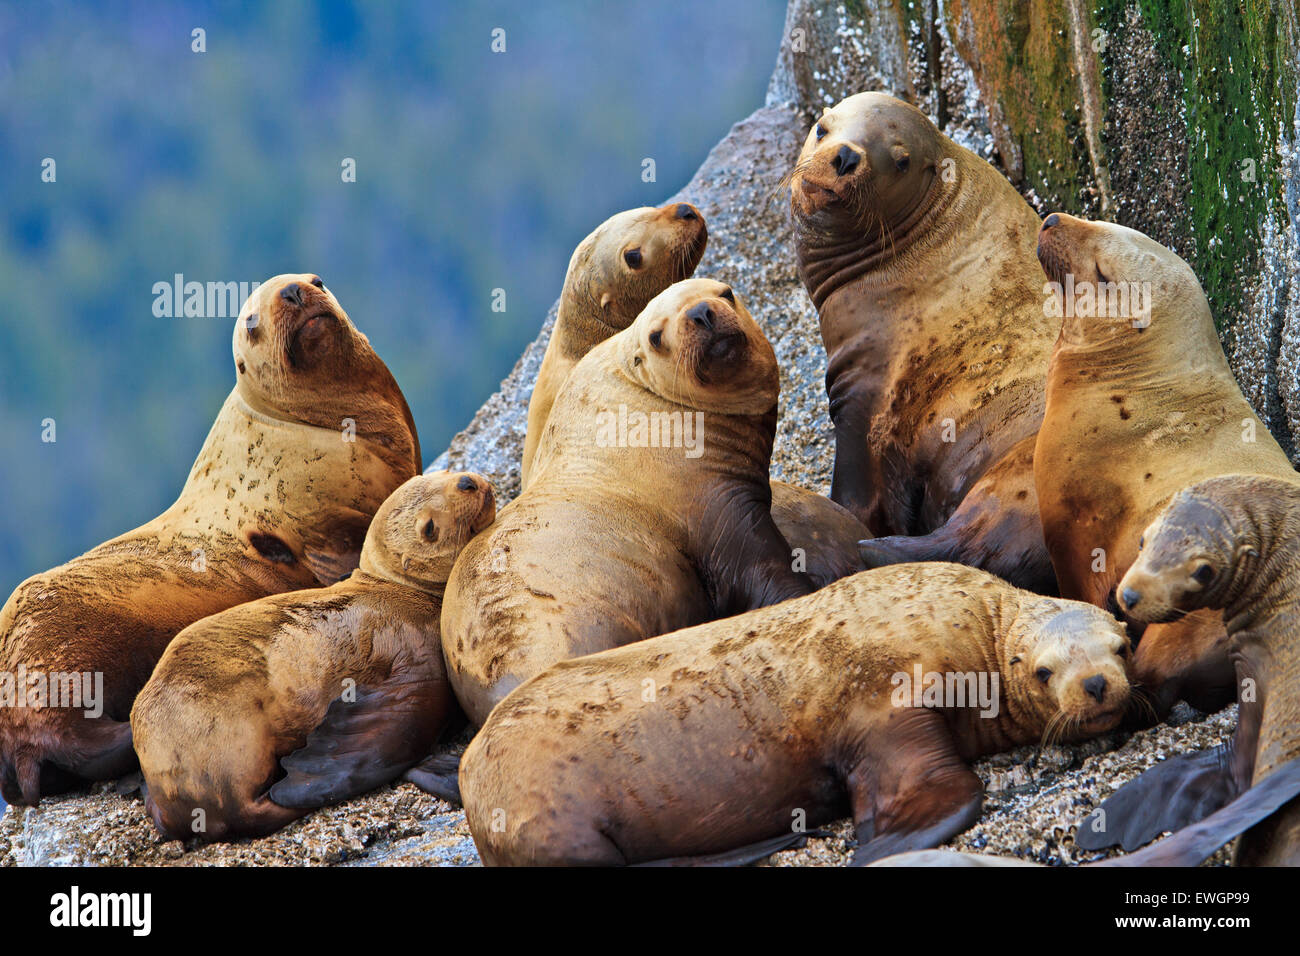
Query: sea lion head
{"points": [[1191, 555], [872, 162], [298, 357], [632, 257], [697, 345], [421, 527], [1063, 663], [1152, 286]]}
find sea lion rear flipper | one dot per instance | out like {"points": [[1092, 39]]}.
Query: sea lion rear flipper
{"points": [[438, 774], [919, 799], [333, 550], [361, 744], [1171, 795], [1193, 845]]}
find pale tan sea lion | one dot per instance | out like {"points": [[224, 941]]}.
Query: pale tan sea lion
{"points": [[314, 436]]}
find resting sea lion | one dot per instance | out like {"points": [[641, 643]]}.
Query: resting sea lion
{"points": [[628, 260], [1230, 543], [1140, 403], [919, 257], [315, 435], [617, 539], [346, 683], [742, 730]]}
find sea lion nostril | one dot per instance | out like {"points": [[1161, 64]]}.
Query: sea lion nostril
{"points": [[1052, 220], [845, 161], [701, 315], [686, 211], [1095, 687], [466, 483], [1131, 598], [292, 293]]}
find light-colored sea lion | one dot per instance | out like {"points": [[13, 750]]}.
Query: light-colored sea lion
{"points": [[650, 508], [1140, 403], [628, 260], [314, 436], [346, 683], [919, 257], [1232, 544], [744, 730]]}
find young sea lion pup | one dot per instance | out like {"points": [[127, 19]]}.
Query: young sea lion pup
{"points": [[1230, 543], [919, 257], [868, 697], [614, 273], [649, 509], [314, 436], [1140, 404], [628, 260], [346, 683]]}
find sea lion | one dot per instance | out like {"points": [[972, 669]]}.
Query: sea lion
{"points": [[628, 260], [1232, 544], [314, 436], [1140, 403], [739, 731], [614, 273], [919, 257], [621, 536], [346, 683]]}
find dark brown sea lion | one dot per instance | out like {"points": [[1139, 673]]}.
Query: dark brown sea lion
{"points": [[742, 731], [315, 435], [919, 257], [1140, 403], [1232, 544], [649, 509], [345, 683], [628, 260]]}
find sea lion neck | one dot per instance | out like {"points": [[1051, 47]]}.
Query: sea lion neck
{"points": [[368, 571], [827, 262]]}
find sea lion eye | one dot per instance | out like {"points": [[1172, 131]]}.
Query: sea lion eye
{"points": [[729, 296], [657, 338], [1043, 674], [902, 162], [318, 282], [1014, 660], [1204, 574], [821, 131], [430, 531], [633, 258]]}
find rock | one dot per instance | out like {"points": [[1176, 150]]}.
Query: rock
{"points": [[1094, 109]]}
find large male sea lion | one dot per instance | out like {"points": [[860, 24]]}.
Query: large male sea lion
{"points": [[1140, 403], [734, 733], [649, 509], [626, 261], [1230, 543], [919, 257], [314, 436], [346, 683]]}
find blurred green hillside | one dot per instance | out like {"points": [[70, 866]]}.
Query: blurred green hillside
{"points": [[475, 170]]}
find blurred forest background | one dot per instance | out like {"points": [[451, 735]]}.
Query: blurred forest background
{"points": [[475, 170]]}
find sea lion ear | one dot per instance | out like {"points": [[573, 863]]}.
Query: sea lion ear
{"points": [[605, 300]]}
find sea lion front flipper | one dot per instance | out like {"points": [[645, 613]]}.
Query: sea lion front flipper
{"points": [[1173, 794], [741, 856], [915, 798], [333, 550], [747, 563], [438, 774], [361, 744], [1195, 844]]}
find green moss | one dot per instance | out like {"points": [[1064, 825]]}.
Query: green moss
{"points": [[1238, 65]]}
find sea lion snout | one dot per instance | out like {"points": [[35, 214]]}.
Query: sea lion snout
{"points": [[846, 161]]}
